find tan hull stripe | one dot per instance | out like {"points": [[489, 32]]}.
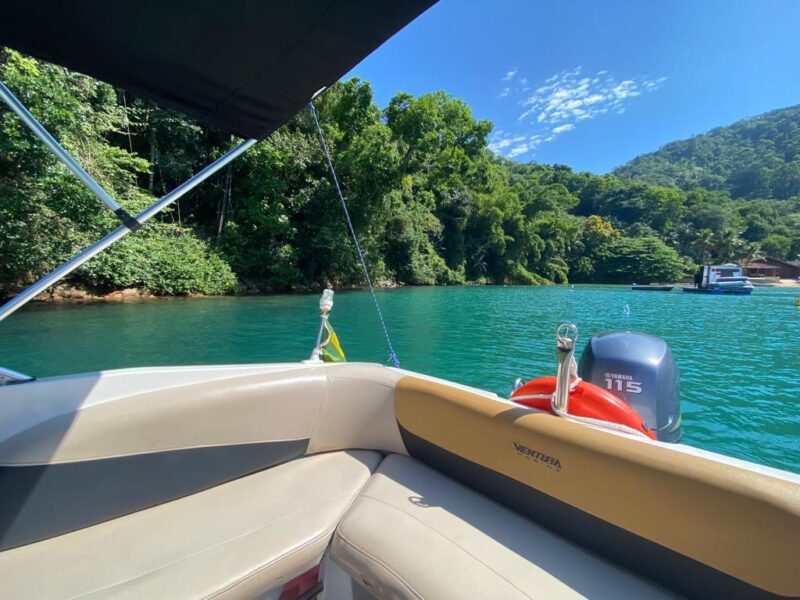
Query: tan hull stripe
{"points": [[741, 523]]}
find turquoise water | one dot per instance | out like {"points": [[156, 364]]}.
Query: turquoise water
{"points": [[738, 356]]}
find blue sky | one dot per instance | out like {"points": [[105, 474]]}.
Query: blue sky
{"points": [[593, 84]]}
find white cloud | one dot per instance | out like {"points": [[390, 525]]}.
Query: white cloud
{"points": [[517, 150], [499, 145], [626, 89], [569, 97], [564, 100], [513, 145], [510, 75], [500, 142]]}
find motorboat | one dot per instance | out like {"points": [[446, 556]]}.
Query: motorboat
{"points": [[333, 479], [652, 287], [721, 280]]}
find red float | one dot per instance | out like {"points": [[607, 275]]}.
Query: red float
{"points": [[585, 400]]}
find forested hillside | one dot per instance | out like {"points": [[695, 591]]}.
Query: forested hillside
{"points": [[431, 204], [753, 158]]}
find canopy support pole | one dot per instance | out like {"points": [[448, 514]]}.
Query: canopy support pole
{"points": [[8, 377], [65, 157], [76, 261]]}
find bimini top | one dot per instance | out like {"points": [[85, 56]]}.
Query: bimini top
{"points": [[244, 66]]}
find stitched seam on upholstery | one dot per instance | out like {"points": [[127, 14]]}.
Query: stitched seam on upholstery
{"points": [[399, 577], [322, 405], [453, 542], [217, 545], [328, 531]]}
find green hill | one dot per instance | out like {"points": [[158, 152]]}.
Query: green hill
{"points": [[431, 203], [753, 158]]}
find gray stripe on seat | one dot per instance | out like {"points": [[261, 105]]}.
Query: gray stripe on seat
{"points": [[43, 501]]}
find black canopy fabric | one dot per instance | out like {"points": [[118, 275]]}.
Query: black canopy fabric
{"points": [[244, 66]]}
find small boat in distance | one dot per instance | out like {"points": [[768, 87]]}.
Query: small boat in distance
{"points": [[720, 279], [652, 287]]}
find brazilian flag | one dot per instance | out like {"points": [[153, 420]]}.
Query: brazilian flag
{"points": [[331, 349]]}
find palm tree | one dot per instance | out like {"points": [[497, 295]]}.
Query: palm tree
{"points": [[751, 252], [703, 243], [726, 243]]}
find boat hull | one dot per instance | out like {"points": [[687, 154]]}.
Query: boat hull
{"points": [[652, 288], [720, 291], [668, 512]]}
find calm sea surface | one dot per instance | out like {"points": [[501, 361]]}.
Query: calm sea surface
{"points": [[739, 357]]}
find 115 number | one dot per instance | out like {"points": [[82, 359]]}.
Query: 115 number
{"points": [[622, 385]]}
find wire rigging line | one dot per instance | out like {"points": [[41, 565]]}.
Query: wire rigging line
{"points": [[392, 354]]}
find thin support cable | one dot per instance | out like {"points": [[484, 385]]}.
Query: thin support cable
{"points": [[392, 354]]}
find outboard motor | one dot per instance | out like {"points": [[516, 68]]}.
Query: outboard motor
{"points": [[639, 369]]}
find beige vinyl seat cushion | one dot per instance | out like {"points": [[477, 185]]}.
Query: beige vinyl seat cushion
{"points": [[414, 533], [235, 540]]}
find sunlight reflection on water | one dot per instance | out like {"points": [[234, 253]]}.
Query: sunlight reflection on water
{"points": [[738, 356]]}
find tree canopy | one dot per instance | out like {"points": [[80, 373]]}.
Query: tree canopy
{"points": [[430, 203], [753, 158]]}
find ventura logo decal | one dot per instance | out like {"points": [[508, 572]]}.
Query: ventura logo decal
{"points": [[549, 461]]}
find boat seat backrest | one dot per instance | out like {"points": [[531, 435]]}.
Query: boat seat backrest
{"points": [[698, 526], [85, 449]]}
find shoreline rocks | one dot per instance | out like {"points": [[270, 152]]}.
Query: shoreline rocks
{"points": [[65, 293], [69, 294]]}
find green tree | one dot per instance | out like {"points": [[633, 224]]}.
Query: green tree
{"points": [[639, 260], [46, 215], [777, 246], [429, 202], [703, 243]]}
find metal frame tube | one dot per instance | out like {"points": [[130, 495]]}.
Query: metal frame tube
{"points": [[56, 148], [76, 261], [315, 353], [9, 377]]}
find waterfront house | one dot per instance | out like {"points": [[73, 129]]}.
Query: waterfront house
{"points": [[761, 269], [787, 269]]}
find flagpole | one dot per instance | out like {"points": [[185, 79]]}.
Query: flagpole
{"points": [[325, 306]]}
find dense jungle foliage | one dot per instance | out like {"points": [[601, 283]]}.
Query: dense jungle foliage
{"points": [[753, 158], [431, 204]]}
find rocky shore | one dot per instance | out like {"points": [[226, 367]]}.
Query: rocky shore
{"points": [[253, 286], [66, 293], [70, 294]]}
